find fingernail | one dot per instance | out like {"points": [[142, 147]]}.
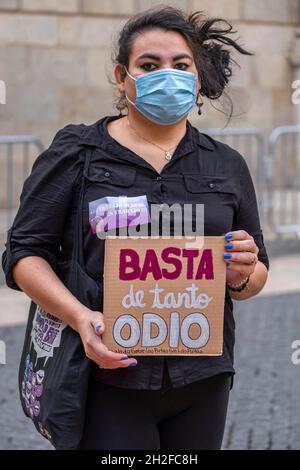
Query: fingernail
{"points": [[133, 364], [228, 236], [227, 255], [98, 327], [228, 246], [124, 357]]}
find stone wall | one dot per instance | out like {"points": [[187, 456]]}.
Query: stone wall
{"points": [[55, 61]]}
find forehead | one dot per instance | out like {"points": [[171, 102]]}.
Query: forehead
{"points": [[159, 42]]}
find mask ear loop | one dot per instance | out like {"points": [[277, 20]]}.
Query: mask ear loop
{"points": [[129, 74], [133, 78]]}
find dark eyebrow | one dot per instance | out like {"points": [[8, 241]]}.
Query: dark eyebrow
{"points": [[182, 56], [148, 55]]}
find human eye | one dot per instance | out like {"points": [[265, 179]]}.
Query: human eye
{"points": [[181, 66], [148, 66]]}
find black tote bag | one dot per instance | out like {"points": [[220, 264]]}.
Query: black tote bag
{"points": [[54, 371]]}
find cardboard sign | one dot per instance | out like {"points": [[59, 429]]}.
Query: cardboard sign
{"points": [[162, 298]]}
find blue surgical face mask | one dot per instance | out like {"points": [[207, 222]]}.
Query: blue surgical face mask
{"points": [[164, 96]]}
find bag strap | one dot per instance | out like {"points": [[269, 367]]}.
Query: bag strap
{"points": [[78, 246]]}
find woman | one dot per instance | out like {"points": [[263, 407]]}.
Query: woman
{"points": [[165, 61]]}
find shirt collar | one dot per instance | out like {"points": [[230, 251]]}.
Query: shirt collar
{"points": [[200, 139], [93, 135]]}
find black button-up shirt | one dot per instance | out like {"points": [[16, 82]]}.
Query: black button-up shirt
{"points": [[202, 170]]}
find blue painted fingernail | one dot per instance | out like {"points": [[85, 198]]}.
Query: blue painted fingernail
{"points": [[123, 358], [227, 255], [133, 364], [98, 327], [228, 246], [228, 236]]}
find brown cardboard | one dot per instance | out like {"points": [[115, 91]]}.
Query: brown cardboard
{"points": [[193, 329]]}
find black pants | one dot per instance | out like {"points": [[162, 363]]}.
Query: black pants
{"points": [[191, 417]]}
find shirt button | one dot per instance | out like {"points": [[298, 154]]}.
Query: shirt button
{"points": [[159, 178], [107, 173], [211, 185]]}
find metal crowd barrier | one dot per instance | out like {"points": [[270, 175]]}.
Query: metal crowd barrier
{"points": [[283, 178], [274, 167], [10, 142]]}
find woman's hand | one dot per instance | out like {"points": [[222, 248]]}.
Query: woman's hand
{"points": [[90, 328], [241, 255]]}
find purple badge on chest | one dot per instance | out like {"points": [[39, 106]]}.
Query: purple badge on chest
{"points": [[121, 211]]}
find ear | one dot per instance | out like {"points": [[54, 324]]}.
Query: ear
{"points": [[120, 75]]}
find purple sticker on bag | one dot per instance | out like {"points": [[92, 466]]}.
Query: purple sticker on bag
{"points": [[121, 211]]}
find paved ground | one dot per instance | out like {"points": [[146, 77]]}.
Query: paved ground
{"points": [[264, 409]]}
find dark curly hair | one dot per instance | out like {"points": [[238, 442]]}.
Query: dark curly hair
{"points": [[205, 36]]}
